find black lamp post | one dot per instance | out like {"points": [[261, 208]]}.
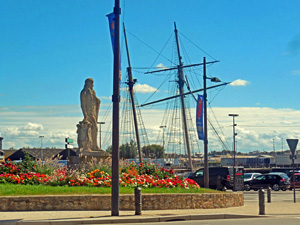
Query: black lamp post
{"points": [[213, 79], [234, 134], [42, 153], [163, 135], [100, 123]]}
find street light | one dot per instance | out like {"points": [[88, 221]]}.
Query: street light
{"points": [[163, 134], [213, 79], [234, 134], [274, 151], [100, 123], [42, 155]]}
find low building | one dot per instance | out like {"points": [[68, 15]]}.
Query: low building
{"points": [[285, 161], [259, 161], [35, 153]]}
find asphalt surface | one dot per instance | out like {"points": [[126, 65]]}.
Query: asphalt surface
{"points": [[282, 205]]}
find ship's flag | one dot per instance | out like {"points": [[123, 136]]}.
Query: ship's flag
{"points": [[199, 117]]}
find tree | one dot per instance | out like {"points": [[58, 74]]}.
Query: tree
{"points": [[128, 150], [153, 151], [109, 149]]}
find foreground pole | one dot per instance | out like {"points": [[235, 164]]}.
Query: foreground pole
{"points": [[261, 202], [138, 200], [115, 130], [269, 194]]}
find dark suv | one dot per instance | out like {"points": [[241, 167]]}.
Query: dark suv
{"points": [[220, 178], [276, 181]]}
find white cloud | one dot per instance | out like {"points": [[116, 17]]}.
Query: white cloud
{"points": [[161, 66], [240, 82], [105, 97], [32, 127], [144, 88], [256, 127]]}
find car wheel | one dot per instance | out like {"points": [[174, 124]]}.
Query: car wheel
{"points": [[247, 187], [255, 189], [283, 189], [275, 187]]}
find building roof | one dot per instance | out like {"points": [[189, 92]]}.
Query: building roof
{"points": [[36, 153]]}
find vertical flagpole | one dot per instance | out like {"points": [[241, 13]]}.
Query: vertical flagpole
{"points": [[116, 101]]}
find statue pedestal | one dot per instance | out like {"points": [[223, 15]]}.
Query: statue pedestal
{"points": [[89, 155], [75, 162]]}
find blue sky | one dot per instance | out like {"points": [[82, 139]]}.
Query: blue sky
{"points": [[48, 49]]}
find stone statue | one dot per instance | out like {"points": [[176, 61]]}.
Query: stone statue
{"points": [[87, 129]]}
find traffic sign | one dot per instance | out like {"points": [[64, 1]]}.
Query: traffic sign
{"points": [[292, 145], [69, 146], [69, 140]]}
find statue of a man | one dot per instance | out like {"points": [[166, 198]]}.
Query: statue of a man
{"points": [[90, 106]]}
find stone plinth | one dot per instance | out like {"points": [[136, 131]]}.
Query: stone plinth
{"points": [[127, 202], [89, 155], [80, 159]]}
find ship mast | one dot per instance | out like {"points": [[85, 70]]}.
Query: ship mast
{"points": [[181, 95], [130, 84], [181, 92]]}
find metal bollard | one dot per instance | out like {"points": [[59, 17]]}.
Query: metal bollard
{"points": [[138, 200], [261, 201], [269, 194]]}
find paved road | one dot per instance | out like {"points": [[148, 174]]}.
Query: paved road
{"points": [[256, 221], [276, 196]]}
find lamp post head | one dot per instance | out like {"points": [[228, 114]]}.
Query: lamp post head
{"points": [[233, 114], [215, 79]]}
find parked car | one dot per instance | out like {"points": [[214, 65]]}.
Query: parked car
{"points": [[290, 173], [220, 178], [284, 175], [250, 176], [276, 181], [185, 175], [297, 181]]}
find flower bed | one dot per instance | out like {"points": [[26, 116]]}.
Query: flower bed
{"points": [[131, 175]]}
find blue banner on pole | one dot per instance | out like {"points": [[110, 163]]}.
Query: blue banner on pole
{"points": [[111, 20], [199, 117]]}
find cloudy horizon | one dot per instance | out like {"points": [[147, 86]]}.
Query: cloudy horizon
{"points": [[256, 126]]}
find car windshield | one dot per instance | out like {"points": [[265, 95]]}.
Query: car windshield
{"points": [[284, 176], [261, 177], [247, 175]]}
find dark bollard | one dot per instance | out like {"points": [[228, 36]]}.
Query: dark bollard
{"points": [[261, 201], [269, 194], [138, 200], [219, 185]]}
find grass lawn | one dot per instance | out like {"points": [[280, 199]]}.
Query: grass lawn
{"points": [[17, 190]]}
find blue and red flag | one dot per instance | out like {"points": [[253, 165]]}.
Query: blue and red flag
{"points": [[199, 117], [111, 20]]}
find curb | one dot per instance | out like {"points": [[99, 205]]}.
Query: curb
{"points": [[126, 219]]}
